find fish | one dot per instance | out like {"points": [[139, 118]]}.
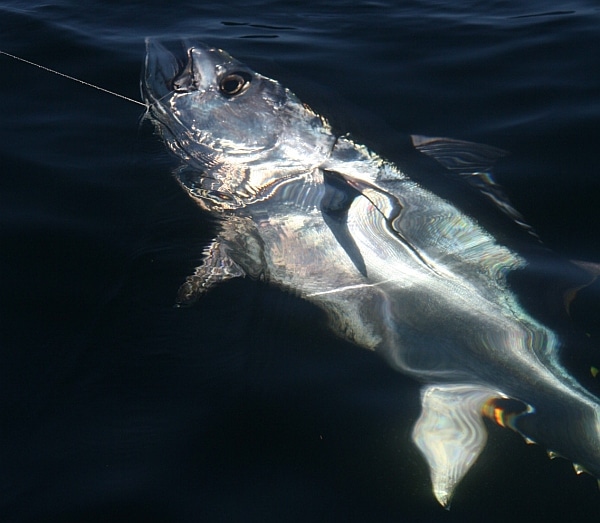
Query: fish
{"points": [[398, 268]]}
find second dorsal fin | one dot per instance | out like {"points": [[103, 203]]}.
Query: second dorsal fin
{"points": [[473, 162]]}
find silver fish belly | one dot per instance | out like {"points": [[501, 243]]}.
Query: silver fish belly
{"points": [[398, 269]]}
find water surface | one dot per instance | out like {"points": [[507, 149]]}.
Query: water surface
{"points": [[118, 407]]}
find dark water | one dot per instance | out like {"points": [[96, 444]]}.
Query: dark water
{"points": [[115, 406]]}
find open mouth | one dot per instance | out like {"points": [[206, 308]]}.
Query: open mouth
{"points": [[162, 68]]}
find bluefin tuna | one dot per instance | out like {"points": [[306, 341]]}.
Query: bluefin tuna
{"points": [[399, 269]]}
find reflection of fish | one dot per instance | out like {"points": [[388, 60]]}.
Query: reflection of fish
{"points": [[397, 268]]}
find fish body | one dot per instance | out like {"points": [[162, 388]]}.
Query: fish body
{"points": [[398, 269]]}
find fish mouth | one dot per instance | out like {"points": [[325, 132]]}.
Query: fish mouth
{"points": [[168, 73], [160, 67], [169, 67], [163, 67]]}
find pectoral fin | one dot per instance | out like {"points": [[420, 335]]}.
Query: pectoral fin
{"points": [[335, 205], [450, 433], [386, 204]]}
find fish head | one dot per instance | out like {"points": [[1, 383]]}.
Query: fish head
{"points": [[238, 131]]}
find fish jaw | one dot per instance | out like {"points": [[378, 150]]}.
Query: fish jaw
{"points": [[160, 67]]}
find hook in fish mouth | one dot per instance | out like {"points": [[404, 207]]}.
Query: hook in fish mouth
{"points": [[160, 66], [168, 68]]}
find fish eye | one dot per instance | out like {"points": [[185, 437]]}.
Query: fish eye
{"points": [[234, 83]]}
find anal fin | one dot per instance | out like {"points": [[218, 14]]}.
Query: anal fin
{"points": [[450, 433]]}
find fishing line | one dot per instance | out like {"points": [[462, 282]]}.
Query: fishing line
{"points": [[72, 78]]}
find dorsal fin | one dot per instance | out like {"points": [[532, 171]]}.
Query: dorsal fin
{"points": [[473, 162], [459, 156]]}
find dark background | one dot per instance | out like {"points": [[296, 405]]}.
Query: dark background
{"points": [[116, 406]]}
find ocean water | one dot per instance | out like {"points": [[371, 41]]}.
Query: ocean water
{"points": [[116, 406]]}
